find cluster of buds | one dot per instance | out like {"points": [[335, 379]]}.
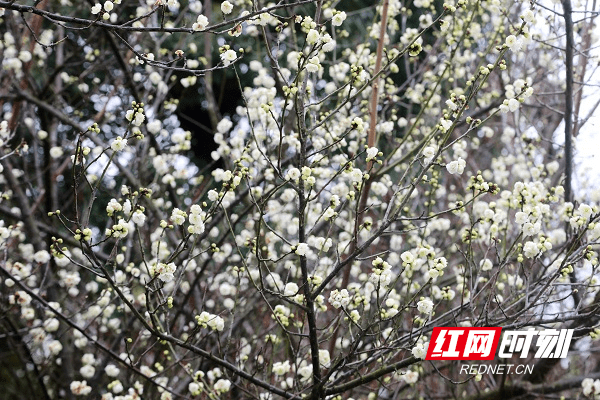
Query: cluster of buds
{"points": [[477, 183], [85, 235], [136, 114], [105, 9]]}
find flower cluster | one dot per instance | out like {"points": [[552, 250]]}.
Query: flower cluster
{"points": [[105, 9], [165, 272], [339, 298], [591, 387], [382, 273], [214, 322], [136, 115], [196, 220]]}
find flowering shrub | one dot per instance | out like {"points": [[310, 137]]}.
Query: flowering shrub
{"points": [[384, 174]]}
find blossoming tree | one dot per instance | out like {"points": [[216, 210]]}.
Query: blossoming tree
{"points": [[391, 168]]}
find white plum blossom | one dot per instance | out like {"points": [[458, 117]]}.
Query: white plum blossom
{"points": [[224, 125], [305, 372], [520, 217], [456, 167], [136, 117], [111, 370], [407, 258], [118, 144], [87, 371], [328, 43], [512, 104], [222, 385], [281, 367], [196, 220], [290, 289], [54, 347], [528, 16], [312, 37], [429, 153], [41, 257], [293, 174], [165, 272], [213, 195], [226, 7], [139, 218], [56, 152], [445, 124], [194, 388], [439, 264], [382, 273], [486, 264], [513, 43], [117, 386], [313, 64], [358, 124], [178, 216], [80, 388], [590, 387], [113, 206], [530, 250], [302, 249], [339, 298], [51, 325], [228, 56], [530, 229], [328, 214], [451, 105], [201, 23], [338, 18], [20, 297], [216, 323], [154, 126], [585, 211], [372, 153], [425, 306], [410, 377], [356, 175], [419, 351], [324, 358], [206, 319], [25, 56]]}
